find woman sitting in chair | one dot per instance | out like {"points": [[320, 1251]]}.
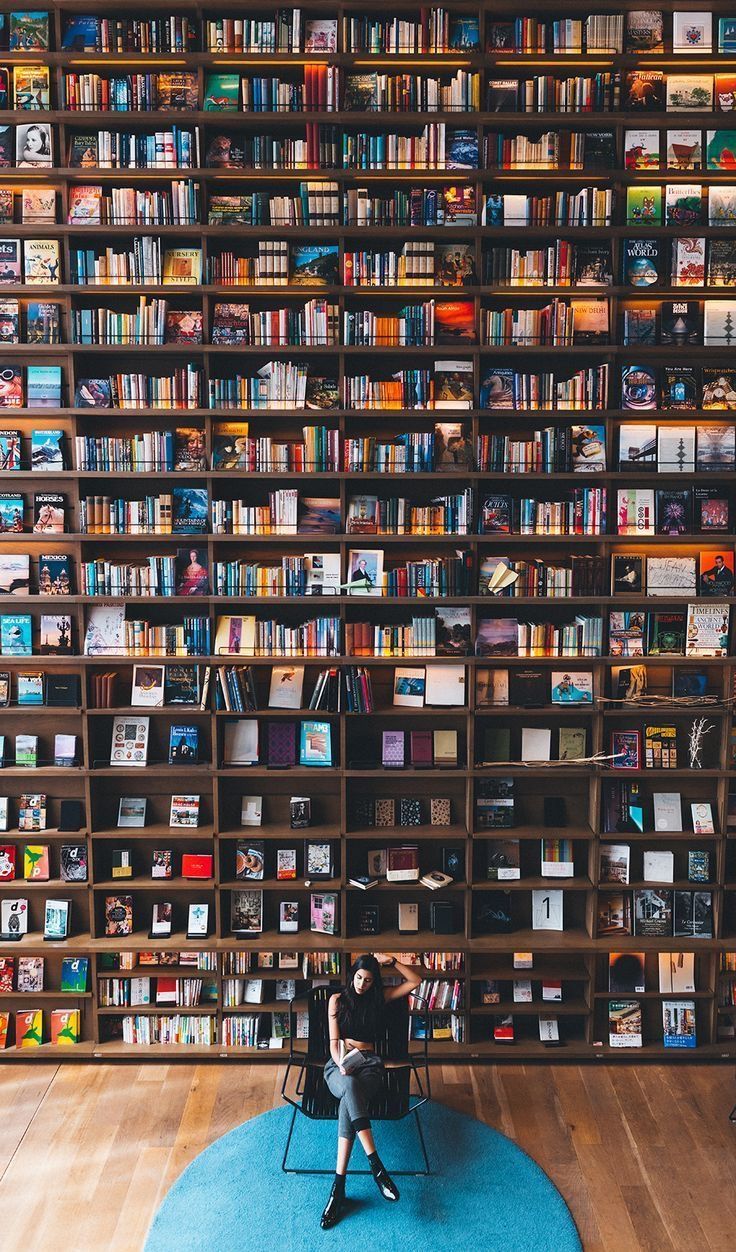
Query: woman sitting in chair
{"points": [[354, 1073]]}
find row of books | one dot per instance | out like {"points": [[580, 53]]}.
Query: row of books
{"points": [[450, 385], [561, 449], [436, 577], [27, 974], [316, 88], [317, 204], [433, 31], [181, 992], [323, 89], [433, 322], [327, 88], [641, 448], [691, 261], [33, 1027], [32, 145], [183, 449]]}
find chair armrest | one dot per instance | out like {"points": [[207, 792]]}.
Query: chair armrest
{"points": [[292, 1023], [415, 996]]}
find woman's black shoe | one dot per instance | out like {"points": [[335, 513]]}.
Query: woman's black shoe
{"points": [[334, 1207], [385, 1184]]}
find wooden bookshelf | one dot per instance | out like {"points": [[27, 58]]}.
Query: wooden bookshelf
{"points": [[577, 955]]}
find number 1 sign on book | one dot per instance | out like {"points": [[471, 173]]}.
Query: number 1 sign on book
{"points": [[547, 910]]}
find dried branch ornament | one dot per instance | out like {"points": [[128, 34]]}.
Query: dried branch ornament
{"points": [[652, 701], [699, 729], [599, 758]]}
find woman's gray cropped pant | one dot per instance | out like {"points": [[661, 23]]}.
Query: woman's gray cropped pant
{"points": [[354, 1091]]}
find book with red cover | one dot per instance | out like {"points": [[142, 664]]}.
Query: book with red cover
{"points": [[166, 991], [65, 1026], [7, 862], [7, 969], [503, 1030], [281, 743], [402, 863], [196, 865], [422, 756]]}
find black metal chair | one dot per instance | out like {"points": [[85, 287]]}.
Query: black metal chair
{"points": [[313, 1097]]}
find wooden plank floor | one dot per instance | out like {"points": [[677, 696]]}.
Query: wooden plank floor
{"points": [[644, 1155]]}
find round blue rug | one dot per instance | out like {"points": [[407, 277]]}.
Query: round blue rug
{"points": [[484, 1192]]}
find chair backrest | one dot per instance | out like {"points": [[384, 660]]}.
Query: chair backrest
{"points": [[319, 1029], [392, 1045]]}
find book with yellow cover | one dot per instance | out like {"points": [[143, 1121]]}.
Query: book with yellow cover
{"points": [[65, 1027], [182, 267], [236, 636], [29, 1028]]}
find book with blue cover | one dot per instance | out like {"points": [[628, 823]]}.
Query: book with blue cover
{"points": [[11, 513], [44, 386], [80, 34], [183, 745], [462, 150], [16, 635], [315, 744], [189, 510], [47, 450]]}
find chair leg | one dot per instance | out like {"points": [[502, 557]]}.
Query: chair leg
{"points": [[427, 1170], [732, 1114], [288, 1141], [399, 1173]]}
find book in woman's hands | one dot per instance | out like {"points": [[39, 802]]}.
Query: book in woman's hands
{"points": [[352, 1060]]}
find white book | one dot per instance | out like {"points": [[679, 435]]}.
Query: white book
{"points": [[522, 989], [549, 1029], [692, 33], [253, 991], [636, 511], [659, 867], [667, 810], [65, 749], [702, 815], [287, 682], [132, 811], [719, 323], [323, 571], [409, 687], [445, 686], [184, 811], [14, 917], [536, 743], [514, 210], [676, 971], [251, 810], [547, 910], [707, 630], [676, 449], [241, 742], [671, 575], [105, 634], [129, 745], [148, 686], [140, 991]]}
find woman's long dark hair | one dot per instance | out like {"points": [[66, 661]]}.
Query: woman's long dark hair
{"points": [[366, 1008]]}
